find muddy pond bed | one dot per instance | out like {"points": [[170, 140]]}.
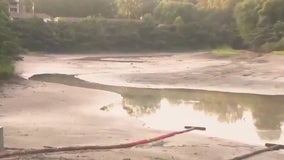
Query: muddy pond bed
{"points": [[246, 118]]}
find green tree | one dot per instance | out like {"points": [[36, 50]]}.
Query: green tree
{"points": [[148, 20], [129, 8], [75, 8], [247, 18], [214, 4], [179, 24], [168, 10], [9, 47], [259, 22], [36, 34], [8, 39]]}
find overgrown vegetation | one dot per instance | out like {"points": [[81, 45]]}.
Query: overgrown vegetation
{"points": [[150, 25], [225, 51], [9, 47], [129, 25], [6, 67], [278, 52], [261, 23]]}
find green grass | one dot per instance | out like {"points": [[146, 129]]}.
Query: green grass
{"points": [[225, 51], [34, 53], [278, 52], [6, 69]]}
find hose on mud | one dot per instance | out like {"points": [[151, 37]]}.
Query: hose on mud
{"points": [[270, 147], [6, 154]]}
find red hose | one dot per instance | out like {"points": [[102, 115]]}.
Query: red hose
{"points": [[6, 154]]}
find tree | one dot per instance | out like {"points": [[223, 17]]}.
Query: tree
{"points": [[179, 23], [35, 34], [149, 6], [129, 8], [9, 47], [8, 39], [259, 22], [168, 10], [148, 20], [75, 8]]}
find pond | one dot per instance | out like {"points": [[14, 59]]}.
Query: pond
{"points": [[246, 118]]}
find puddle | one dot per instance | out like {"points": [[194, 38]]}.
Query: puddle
{"points": [[246, 118]]}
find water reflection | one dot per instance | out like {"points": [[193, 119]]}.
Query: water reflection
{"points": [[267, 111], [241, 117], [141, 105]]}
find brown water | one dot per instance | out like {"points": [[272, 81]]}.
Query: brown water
{"points": [[247, 118]]}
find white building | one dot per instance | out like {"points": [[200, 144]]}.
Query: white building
{"points": [[17, 11], [15, 6]]}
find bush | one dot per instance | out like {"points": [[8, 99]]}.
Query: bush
{"points": [[9, 47], [268, 47], [278, 52], [226, 50], [148, 20], [6, 67], [273, 46], [280, 45]]}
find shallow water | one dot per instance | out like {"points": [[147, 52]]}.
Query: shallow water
{"points": [[247, 118], [252, 119]]}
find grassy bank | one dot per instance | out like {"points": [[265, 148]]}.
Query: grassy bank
{"points": [[278, 52], [6, 68], [225, 51]]}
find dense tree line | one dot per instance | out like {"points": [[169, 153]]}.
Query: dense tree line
{"points": [[156, 25], [261, 23], [75, 8]]}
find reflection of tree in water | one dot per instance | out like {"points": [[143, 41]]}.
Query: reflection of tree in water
{"points": [[216, 103], [269, 135], [141, 105], [267, 111], [178, 97], [227, 111]]}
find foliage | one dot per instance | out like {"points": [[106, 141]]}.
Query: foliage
{"points": [[216, 4], [278, 52], [179, 24], [35, 34], [261, 23], [148, 20], [6, 67], [226, 50], [9, 47], [168, 10], [155, 25], [75, 8], [130, 8]]}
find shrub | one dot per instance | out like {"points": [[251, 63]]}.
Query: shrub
{"points": [[6, 68], [225, 50]]}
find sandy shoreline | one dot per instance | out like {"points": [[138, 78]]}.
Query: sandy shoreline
{"points": [[37, 114]]}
